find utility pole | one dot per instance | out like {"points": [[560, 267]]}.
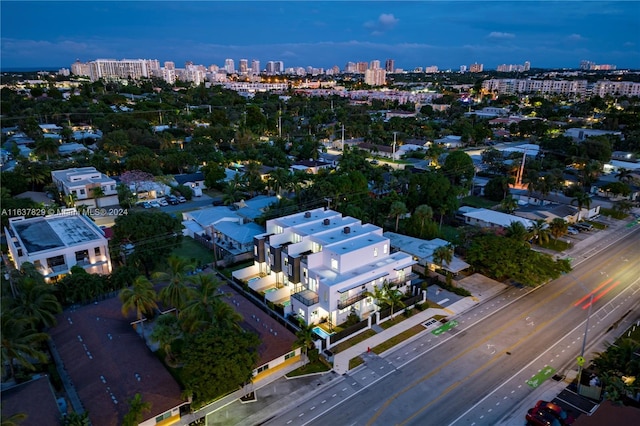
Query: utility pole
{"points": [[584, 343], [394, 145], [342, 148]]}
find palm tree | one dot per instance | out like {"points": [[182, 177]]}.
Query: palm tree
{"points": [[137, 408], [398, 208], [98, 193], [442, 255], [175, 292], [305, 338], [34, 174], [517, 231], [140, 297], [423, 213], [36, 302], [583, 200], [624, 175], [623, 206], [509, 204], [20, 342], [278, 179], [47, 147], [165, 331], [540, 231], [558, 227], [394, 298], [199, 310], [379, 294]]}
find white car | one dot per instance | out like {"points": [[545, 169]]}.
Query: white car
{"points": [[573, 231], [163, 202], [154, 203]]}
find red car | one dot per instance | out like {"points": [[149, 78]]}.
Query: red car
{"points": [[546, 413]]}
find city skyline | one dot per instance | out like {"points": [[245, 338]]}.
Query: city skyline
{"points": [[324, 34]]}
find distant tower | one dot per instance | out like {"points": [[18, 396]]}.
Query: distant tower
{"points": [[229, 66], [527, 66], [375, 65], [390, 65], [255, 66], [244, 66]]}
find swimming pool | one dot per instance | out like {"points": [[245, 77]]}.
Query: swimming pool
{"points": [[286, 303], [320, 332], [270, 290]]}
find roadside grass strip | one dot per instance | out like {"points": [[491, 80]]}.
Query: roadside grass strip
{"points": [[540, 377]]}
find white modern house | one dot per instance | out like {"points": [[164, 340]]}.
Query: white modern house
{"points": [[423, 250], [55, 243], [82, 183], [321, 265]]}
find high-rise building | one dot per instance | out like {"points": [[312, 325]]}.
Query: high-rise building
{"points": [[244, 66], [475, 67], [527, 66], [229, 66], [390, 65], [255, 66], [463, 68], [126, 68], [351, 68], [362, 67], [375, 77], [375, 65]]}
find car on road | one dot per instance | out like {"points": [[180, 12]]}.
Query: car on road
{"points": [[572, 231]]}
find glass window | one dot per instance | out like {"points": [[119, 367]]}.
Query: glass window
{"points": [[334, 264], [375, 252], [385, 249]]}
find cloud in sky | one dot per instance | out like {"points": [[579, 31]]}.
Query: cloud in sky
{"points": [[500, 35], [575, 37], [385, 22]]}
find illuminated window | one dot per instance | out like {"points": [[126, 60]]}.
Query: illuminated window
{"points": [[334, 264], [385, 249], [375, 252]]}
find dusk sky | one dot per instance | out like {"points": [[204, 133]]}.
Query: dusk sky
{"points": [[53, 34]]}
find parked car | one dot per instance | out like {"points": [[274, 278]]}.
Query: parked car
{"points": [[162, 202], [181, 199], [572, 231], [583, 226], [154, 203], [146, 205], [172, 200]]}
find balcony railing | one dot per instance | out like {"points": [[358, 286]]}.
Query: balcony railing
{"points": [[306, 297], [353, 299], [402, 281]]}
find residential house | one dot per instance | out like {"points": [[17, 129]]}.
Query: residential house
{"points": [[81, 182], [55, 243], [311, 166], [108, 364], [36, 398], [422, 251], [486, 218], [322, 266], [195, 181], [580, 134]]}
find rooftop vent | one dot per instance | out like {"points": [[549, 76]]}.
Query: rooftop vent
{"points": [[326, 222], [307, 215], [347, 230]]}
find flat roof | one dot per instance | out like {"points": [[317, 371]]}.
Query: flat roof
{"points": [[50, 232]]}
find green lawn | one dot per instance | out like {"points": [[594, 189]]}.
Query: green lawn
{"points": [[353, 341], [556, 245], [312, 367], [192, 250], [479, 202], [354, 362], [398, 339]]}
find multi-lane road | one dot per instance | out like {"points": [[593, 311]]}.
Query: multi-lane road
{"points": [[499, 353]]}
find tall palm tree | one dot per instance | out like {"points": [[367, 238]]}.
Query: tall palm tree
{"points": [[75, 419], [305, 338], [442, 255], [165, 331], [137, 408], [278, 179], [140, 297], [582, 200], [398, 208], [394, 299], [624, 175], [47, 147], [379, 294], [176, 290], [20, 342], [199, 310], [37, 302], [509, 204], [423, 213], [540, 231]]}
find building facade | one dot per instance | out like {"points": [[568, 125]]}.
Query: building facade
{"points": [[82, 183], [55, 243], [325, 265]]}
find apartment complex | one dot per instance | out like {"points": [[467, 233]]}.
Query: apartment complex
{"points": [[325, 265], [83, 182], [112, 68], [562, 87], [55, 243]]}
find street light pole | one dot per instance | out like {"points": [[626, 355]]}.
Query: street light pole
{"points": [[584, 342]]}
